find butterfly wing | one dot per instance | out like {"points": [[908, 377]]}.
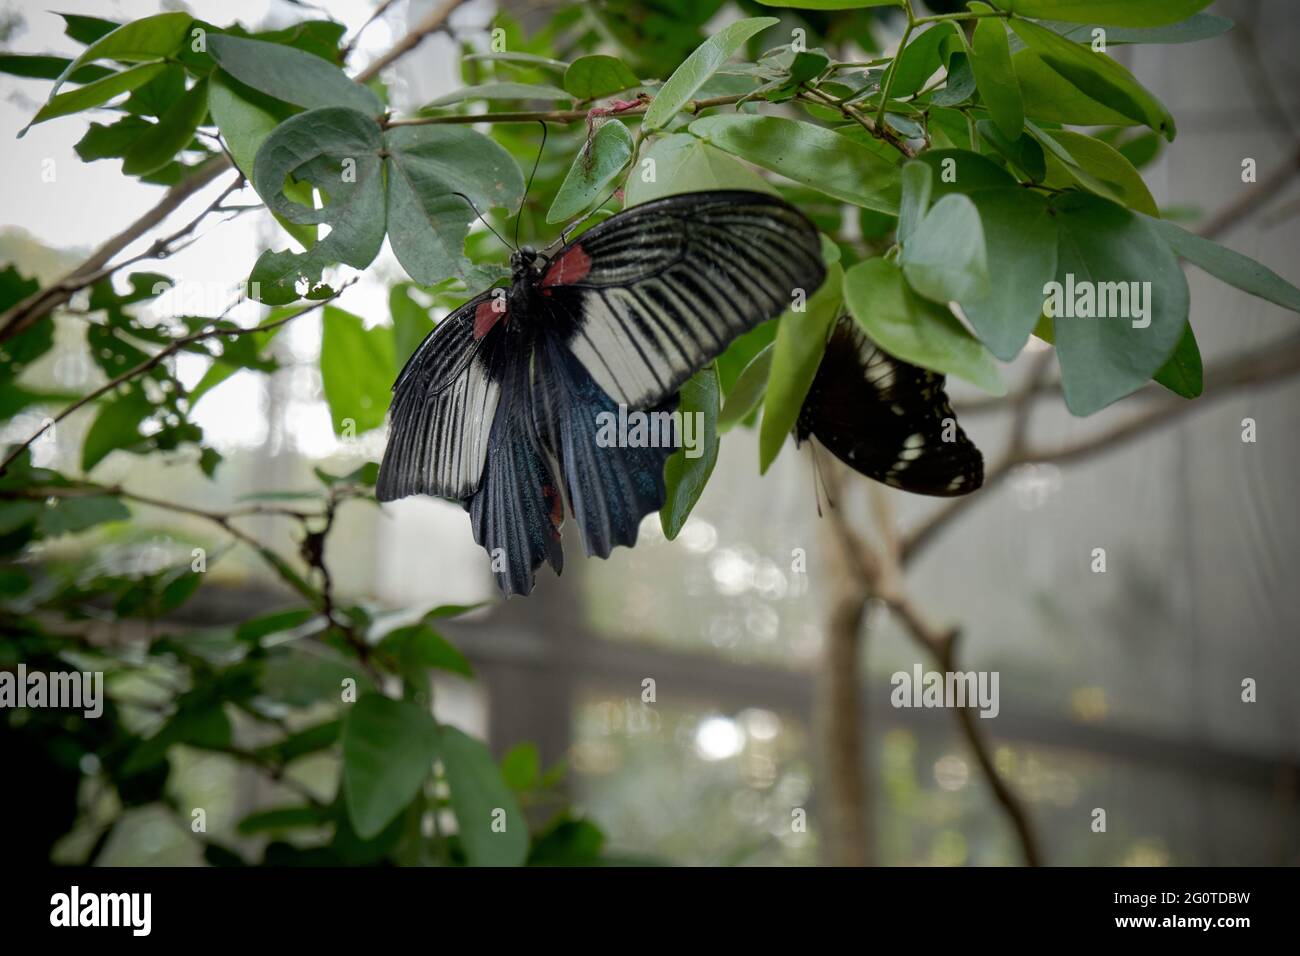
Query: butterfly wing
{"points": [[610, 486], [888, 420], [444, 403], [649, 296]]}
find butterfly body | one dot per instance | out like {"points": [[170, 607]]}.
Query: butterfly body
{"points": [[498, 407]]}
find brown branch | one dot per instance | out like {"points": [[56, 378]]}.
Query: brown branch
{"points": [[431, 23], [152, 362]]}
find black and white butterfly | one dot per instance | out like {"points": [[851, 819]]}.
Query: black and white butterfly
{"points": [[498, 407], [887, 419]]}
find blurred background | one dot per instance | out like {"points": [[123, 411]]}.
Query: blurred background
{"points": [[1119, 690]]}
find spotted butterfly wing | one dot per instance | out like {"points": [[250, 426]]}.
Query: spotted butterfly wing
{"points": [[499, 406], [887, 419]]}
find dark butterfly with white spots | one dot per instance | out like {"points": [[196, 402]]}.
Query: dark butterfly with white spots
{"points": [[497, 408], [887, 419]]}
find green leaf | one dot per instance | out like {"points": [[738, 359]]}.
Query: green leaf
{"points": [[41, 67], [995, 76], [685, 477], [944, 259], [1104, 359], [1020, 240], [427, 224], [491, 827], [356, 366], [1184, 374], [919, 60], [796, 354], [93, 94], [914, 329], [521, 767], [747, 392], [337, 151], [170, 134], [963, 171], [419, 645], [116, 426], [685, 164], [1051, 98], [595, 76], [1098, 76], [498, 91], [521, 59], [1200, 26], [290, 75], [918, 183], [808, 154], [1100, 167], [145, 40], [411, 324], [1229, 266], [283, 818], [71, 515], [388, 750], [831, 4], [597, 164], [696, 69], [1120, 13]]}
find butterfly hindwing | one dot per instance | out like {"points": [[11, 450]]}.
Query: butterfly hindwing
{"points": [[887, 419], [659, 290]]}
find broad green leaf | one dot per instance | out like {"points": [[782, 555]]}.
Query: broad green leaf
{"points": [[1024, 152], [356, 366], [1200, 26], [595, 76], [1183, 374], [944, 259], [696, 69], [116, 426], [1120, 13], [521, 767], [70, 515], [411, 324], [498, 91], [521, 59], [747, 392], [284, 818], [1020, 241], [142, 41], [963, 171], [93, 94], [685, 476], [244, 126], [1229, 266], [796, 354], [918, 184], [337, 151], [597, 165], [1098, 76], [914, 329], [427, 224], [41, 67], [1103, 169], [680, 163], [1106, 248], [1050, 97], [995, 76], [422, 646], [170, 134], [290, 75], [388, 749], [489, 823], [808, 154], [919, 60]]}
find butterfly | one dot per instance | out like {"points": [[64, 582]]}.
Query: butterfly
{"points": [[498, 407], [887, 419]]}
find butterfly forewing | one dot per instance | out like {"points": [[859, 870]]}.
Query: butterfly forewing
{"points": [[656, 292], [887, 419]]}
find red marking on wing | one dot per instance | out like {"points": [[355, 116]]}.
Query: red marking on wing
{"points": [[573, 266], [486, 316], [556, 504]]}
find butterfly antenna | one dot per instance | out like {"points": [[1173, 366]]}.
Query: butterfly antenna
{"points": [[527, 189], [482, 218]]}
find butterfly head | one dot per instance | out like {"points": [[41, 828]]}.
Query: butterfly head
{"points": [[523, 262]]}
